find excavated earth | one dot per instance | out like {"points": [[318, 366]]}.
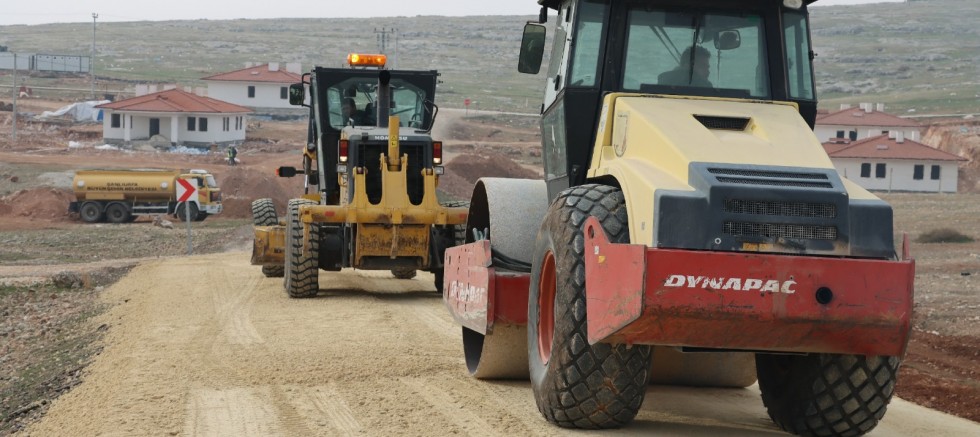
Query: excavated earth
{"points": [[112, 329]]}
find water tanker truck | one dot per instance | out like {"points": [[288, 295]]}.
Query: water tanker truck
{"points": [[119, 196]]}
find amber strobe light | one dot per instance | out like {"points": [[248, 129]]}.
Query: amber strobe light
{"points": [[362, 60], [343, 150]]}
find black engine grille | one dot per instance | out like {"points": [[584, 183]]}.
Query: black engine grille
{"points": [[779, 208], [723, 123], [781, 230], [773, 178]]}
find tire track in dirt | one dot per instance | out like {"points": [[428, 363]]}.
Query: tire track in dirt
{"points": [[235, 411], [325, 406]]}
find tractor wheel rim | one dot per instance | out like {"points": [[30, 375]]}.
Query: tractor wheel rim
{"points": [[546, 307]]}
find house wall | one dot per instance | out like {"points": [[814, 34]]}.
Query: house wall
{"points": [[140, 129], [899, 175], [826, 132], [266, 95]]}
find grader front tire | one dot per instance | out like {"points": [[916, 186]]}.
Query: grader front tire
{"points": [[264, 214], [577, 385], [302, 279]]}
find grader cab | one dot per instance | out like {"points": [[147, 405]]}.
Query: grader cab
{"points": [[371, 169], [690, 228]]}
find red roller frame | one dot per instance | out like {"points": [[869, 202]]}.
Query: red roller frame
{"points": [[747, 301], [477, 294]]}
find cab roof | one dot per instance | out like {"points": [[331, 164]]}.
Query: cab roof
{"points": [[553, 4]]}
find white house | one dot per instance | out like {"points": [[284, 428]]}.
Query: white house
{"points": [[262, 86], [893, 163], [182, 117], [866, 121]]}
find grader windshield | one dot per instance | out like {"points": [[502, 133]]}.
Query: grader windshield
{"points": [[354, 102]]}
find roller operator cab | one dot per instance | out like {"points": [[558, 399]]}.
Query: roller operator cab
{"points": [[690, 229], [371, 169]]}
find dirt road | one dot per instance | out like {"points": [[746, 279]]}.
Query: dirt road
{"points": [[206, 346]]}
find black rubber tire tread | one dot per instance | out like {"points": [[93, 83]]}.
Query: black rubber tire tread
{"points": [[274, 271], [181, 216], [91, 212], [582, 386], [302, 279], [459, 231], [264, 212], [459, 237], [117, 213], [402, 273], [201, 215], [825, 394]]}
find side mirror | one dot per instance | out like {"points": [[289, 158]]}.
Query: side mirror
{"points": [[286, 172], [297, 94], [728, 40], [532, 48]]}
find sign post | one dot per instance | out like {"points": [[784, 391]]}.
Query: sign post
{"points": [[466, 102], [187, 190]]}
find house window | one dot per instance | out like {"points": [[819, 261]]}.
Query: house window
{"points": [[283, 93], [918, 171], [840, 134], [116, 120], [880, 171], [202, 124], [226, 124], [866, 170], [251, 91], [853, 135], [191, 124], [935, 172]]}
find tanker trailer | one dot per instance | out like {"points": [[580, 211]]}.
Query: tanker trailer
{"points": [[120, 196]]}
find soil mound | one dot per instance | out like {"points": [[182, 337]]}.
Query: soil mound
{"points": [[47, 204], [241, 185], [464, 170]]}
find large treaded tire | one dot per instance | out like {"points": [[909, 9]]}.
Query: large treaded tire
{"points": [[264, 214], [458, 236], [577, 385], [117, 212], [91, 212], [302, 279], [403, 273], [181, 215], [824, 394]]}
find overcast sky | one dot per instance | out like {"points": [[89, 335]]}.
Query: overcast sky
{"points": [[68, 11]]}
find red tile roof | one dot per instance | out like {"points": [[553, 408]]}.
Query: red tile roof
{"points": [[858, 117], [175, 100], [882, 147], [259, 73]]}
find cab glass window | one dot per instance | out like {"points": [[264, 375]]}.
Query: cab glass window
{"points": [[798, 68], [699, 53], [588, 40], [353, 102]]}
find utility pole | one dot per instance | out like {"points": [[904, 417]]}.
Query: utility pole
{"points": [[13, 112], [91, 62], [384, 39]]}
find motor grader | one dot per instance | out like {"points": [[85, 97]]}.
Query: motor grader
{"points": [[371, 169], [689, 229]]}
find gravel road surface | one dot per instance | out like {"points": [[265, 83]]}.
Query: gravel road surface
{"points": [[207, 346]]}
